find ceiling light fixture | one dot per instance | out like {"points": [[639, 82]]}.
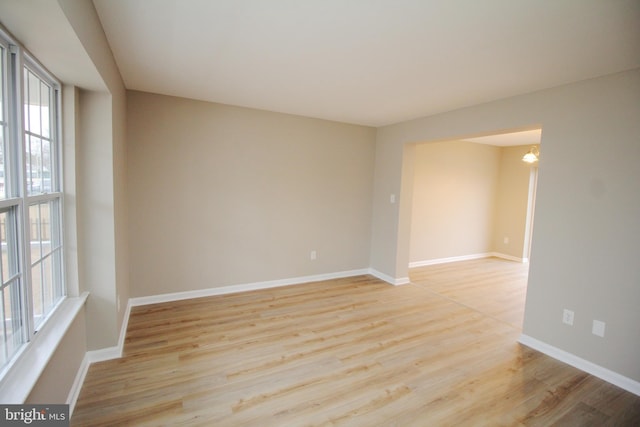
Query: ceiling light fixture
{"points": [[532, 155]]}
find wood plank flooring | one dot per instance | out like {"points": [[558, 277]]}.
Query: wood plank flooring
{"points": [[441, 351], [492, 286]]}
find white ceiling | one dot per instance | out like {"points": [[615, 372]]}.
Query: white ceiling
{"points": [[371, 62]]}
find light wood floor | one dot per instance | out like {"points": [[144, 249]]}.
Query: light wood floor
{"points": [[441, 351]]}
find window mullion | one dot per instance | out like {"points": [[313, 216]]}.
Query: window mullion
{"points": [[13, 169], [19, 189]]}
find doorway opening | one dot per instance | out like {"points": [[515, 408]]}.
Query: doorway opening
{"points": [[473, 203]]}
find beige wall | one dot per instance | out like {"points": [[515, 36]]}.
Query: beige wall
{"points": [[102, 210], [512, 202], [454, 193], [221, 195], [70, 130], [587, 209], [96, 245], [466, 199], [67, 38]]}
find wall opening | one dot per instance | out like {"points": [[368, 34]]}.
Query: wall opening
{"points": [[474, 198]]}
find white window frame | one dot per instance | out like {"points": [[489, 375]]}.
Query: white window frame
{"points": [[49, 331], [56, 183]]}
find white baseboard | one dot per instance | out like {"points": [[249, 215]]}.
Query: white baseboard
{"points": [[582, 364], [508, 257], [224, 290], [103, 354], [123, 327], [436, 261], [448, 259], [74, 393], [97, 356], [391, 280]]}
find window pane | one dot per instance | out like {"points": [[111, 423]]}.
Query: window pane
{"points": [[3, 124], [46, 287], [34, 167], [4, 268], [9, 240], [39, 133], [53, 235], [13, 334], [27, 118], [4, 351], [45, 95], [2, 67], [37, 294], [3, 129], [48, 291], [46, 260], [45, 172], [35, 232], [58, 279], [33, 104], [45, 228], [30, 161]]}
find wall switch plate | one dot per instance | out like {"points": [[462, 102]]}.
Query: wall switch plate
{"points": [[313, 255], [506, 240], [392, 198], [598, 328], [567, 317]]}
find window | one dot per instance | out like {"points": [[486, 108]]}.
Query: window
{"points": [[31, 276]]}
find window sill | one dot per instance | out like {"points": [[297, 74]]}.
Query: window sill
{"points": [[20, 378]]}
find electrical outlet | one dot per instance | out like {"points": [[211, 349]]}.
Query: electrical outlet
{"points": [[567, 317], [313, 255], [598, 328]]}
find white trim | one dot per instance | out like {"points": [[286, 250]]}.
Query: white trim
{"points": [[382, 276], [74, 393], [582, 364], [509, 257], [114, 352], [103, 354], [435, 261], [449, 259], [24, 373], [123, 327], [90, 357], [232, 289], [393, 281]]}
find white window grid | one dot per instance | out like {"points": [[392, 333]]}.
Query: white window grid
{"points": [[31, 271]]}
